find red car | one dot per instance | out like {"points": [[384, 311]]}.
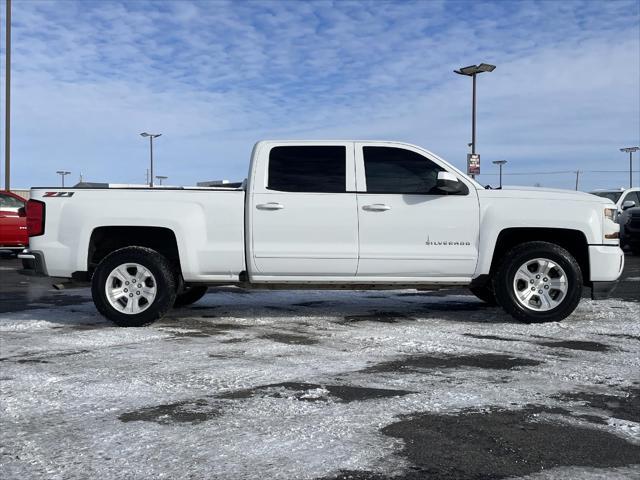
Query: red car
{"points": [[13, 222]]}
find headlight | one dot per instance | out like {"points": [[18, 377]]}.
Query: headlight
{"points": [[611, 230], [610, 213]]}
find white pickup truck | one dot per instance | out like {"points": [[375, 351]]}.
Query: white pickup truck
{"points": [[328, 214]]}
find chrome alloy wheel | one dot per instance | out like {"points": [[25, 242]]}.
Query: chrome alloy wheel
{"points": [[130, 288], [540, 284]]}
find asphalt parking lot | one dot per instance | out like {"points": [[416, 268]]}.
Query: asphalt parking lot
{"points": [[317, 385]]}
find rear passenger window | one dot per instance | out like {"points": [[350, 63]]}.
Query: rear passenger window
{"points": [[308, 169], [396, 170]]}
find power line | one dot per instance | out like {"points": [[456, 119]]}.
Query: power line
{"points": [[607, 171]]}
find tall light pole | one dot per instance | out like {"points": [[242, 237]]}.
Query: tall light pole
{"points": [[500, 163], [472, 71], [161, 178], [630, 150], [151, 137], [62, 174], [7, 105]]}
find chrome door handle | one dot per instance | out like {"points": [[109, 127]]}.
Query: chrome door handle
{"points": [[270, 206], [377, 207]]}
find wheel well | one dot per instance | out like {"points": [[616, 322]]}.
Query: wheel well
{"points": [[573, 241], [105, 240]]}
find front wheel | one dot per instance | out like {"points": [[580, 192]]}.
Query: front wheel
{"points": [[538, 282], [133, 286]]}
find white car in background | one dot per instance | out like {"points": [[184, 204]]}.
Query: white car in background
{"points": [[623, 198]]}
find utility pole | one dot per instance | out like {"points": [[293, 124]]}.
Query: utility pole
{"points": [[62, 174], [161, 178], [7, 99], [151, 137], [577, 178], [630, 150]]}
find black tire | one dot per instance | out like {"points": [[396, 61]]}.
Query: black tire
{"points": [[485, 293], [165, 285], [503, 282], [190, 295]]}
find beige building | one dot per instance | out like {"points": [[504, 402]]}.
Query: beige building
{"points": [[23, 192]]}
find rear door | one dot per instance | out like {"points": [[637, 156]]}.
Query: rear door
{"points": [[408, 228], [303, 212]]}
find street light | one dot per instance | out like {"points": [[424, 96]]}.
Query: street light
{"points": [[151, 137], [472, 71], [630, 150], [62, 174], [500, 163], [161, 178]]}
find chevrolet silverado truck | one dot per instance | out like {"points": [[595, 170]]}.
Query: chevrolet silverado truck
{"points": [[328, 214]]}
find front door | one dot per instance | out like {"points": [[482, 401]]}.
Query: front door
{"points": [[408, 227], [304, 223]]}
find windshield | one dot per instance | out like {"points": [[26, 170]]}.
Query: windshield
{"points": [[613, 196]]}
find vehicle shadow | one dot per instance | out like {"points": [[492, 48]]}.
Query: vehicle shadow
{"points": [[73, 309], [344, 307]]}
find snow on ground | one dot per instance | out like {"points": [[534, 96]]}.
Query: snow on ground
{"points": [[293, 385]]}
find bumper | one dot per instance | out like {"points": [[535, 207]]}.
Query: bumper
{"points": [[605, 263], [32, 263], [602, 290]]}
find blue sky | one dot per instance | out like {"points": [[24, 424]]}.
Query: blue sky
{"points": [[214, 77]]}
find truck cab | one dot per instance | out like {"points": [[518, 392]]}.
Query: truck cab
{"points": [[358, 212]]}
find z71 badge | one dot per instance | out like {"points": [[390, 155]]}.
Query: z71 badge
{"points": [[58, 194]]}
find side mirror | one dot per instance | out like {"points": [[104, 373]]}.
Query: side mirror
{"points": [[449, 183], [22, 212], [628, 204]]}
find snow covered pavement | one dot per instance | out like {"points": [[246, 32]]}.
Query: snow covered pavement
{"points": [[320, 384]]}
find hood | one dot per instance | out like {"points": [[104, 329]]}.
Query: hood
{"points": [[545, 193]]}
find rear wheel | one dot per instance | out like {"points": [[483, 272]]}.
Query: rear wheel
{"points": [[538, 282], [190, 295], [133, 286]]}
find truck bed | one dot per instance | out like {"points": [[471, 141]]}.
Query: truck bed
{"points": [[210, 219]]}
